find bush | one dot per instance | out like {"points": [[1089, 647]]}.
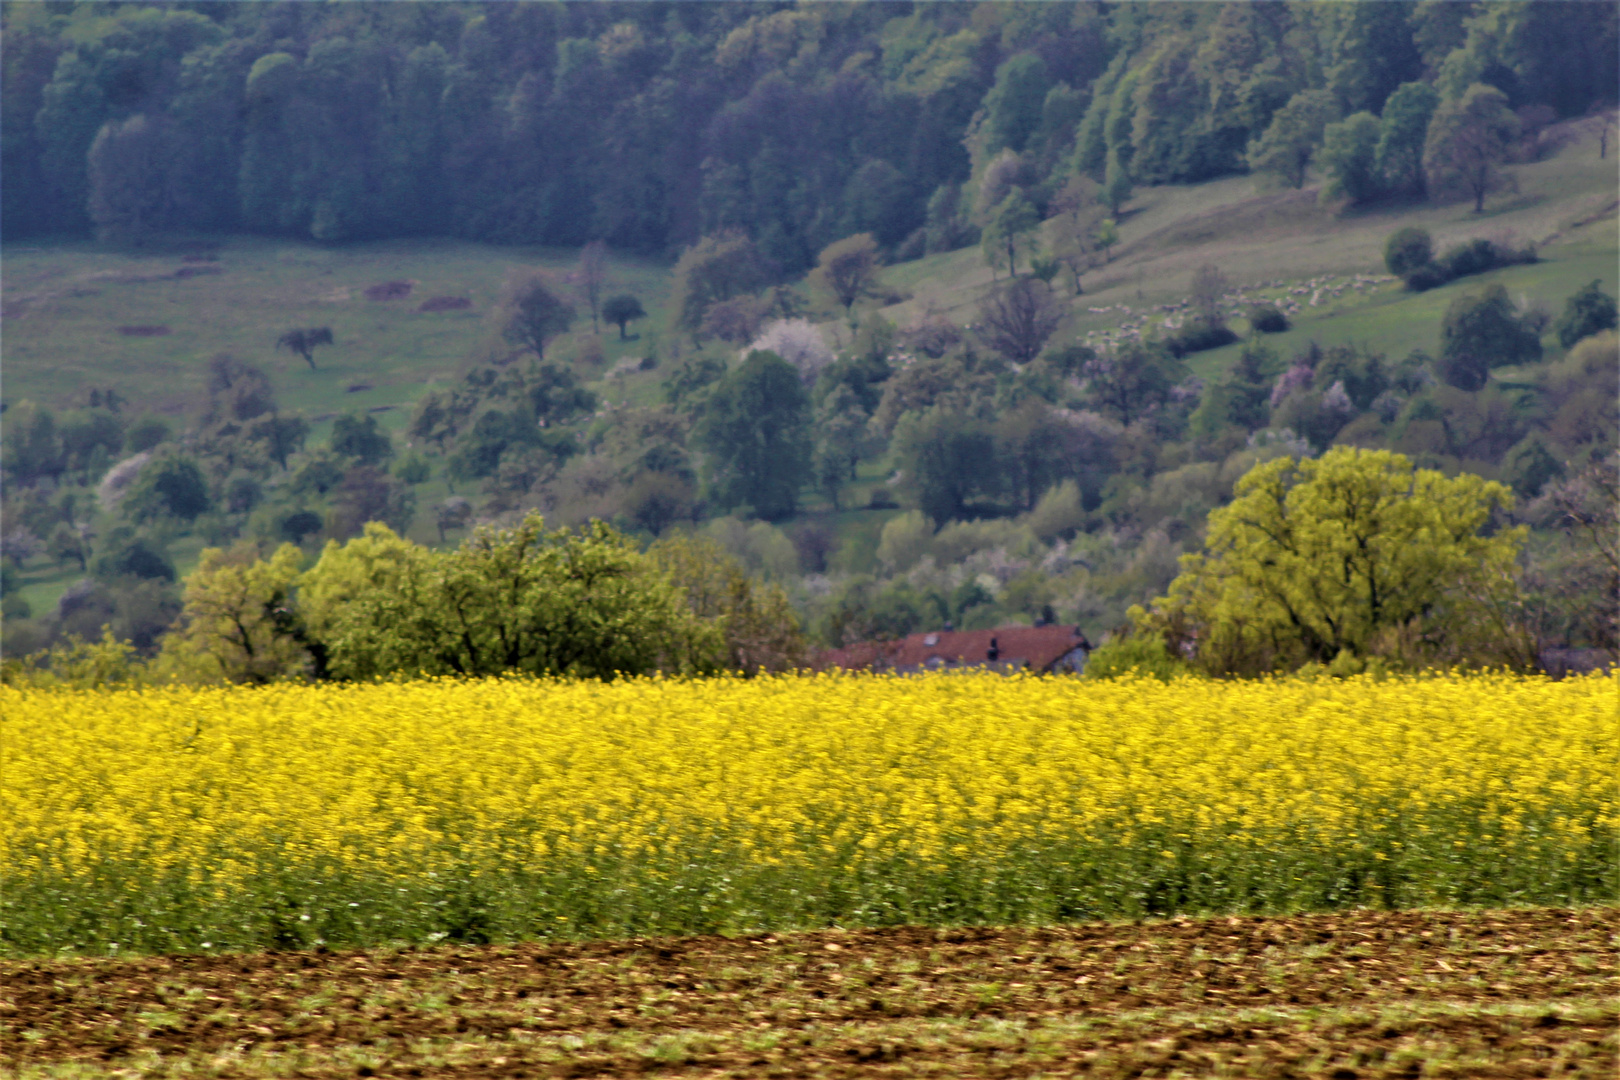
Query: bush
{"points": [[1268, 319], [1145, 654], [1590, 311], [1408, 249], [1426, 277], [1197, 337], [1474, 257]]}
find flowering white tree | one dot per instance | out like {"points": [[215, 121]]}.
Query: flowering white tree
{"points": [[799, 342]]}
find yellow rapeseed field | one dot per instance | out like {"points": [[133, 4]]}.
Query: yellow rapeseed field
{"points": [[164, 818]]}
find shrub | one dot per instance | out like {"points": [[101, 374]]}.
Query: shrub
{"points": [[1198, 337], [1407, 249], [1141, 654], [1268, 319]]}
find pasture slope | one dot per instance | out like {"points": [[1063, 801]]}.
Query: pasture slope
{"points": [[1514, 993]]}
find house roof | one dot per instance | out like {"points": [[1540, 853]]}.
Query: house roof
{"points": [[1006, 648]]}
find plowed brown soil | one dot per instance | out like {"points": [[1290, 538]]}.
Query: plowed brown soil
{"points": [[1485, 994]]}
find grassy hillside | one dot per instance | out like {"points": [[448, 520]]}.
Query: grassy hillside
{"points": [[64, 305]]}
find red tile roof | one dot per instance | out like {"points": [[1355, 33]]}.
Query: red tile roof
{"points": [[1006, 648]]}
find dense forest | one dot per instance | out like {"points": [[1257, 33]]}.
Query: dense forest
{"points": [[967, 468], [650, 125]]}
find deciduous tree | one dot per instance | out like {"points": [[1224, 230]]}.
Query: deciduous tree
{"points": [[532, 313], [1290, 141], [1468, 141], [1017, 319], [621, 310], [1342, 559], [305, 341], [849, 269]]}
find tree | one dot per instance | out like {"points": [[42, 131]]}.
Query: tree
{"points": [[800, 343], [947, 460], [1349, 158], [1116, 183], [717, 268], [1207, 295], [1018, 318], [1343, 559], [238, 621], [129, 187], [305, 341], [1013, 105], [756, 428], [849, 268], [169, 486], [1481, 332], [1009, 229], [621, 310], [1290, 140], [592, 277], [736, 321], [1402, 129], [583, 604], [532, 313], [758, 631], [1467, 142], [1590, 311], [1132, 382], [1107, 236], [359, 437], [1075, 237], [843, 436]]}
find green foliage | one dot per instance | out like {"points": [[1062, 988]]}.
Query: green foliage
{"points": [[359, 438], [716, 268], [1402, 129], [1293, 136], [621, 310], [77, 664], [756, 427], [1349, 159], [239, 624], [1467, 143], [533, 313], [171, 486], [1408, 249], [848, 269], [525, 600], [1014, 104], [1589, 311], [1354, 553], [947, 460], [1481, 332], [756, 627], [1134, 654], [1009, 231]]}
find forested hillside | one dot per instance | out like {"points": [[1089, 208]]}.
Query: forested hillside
{"points": [[921, 314], [650, 125]]}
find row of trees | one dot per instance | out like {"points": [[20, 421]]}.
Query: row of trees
{"points": [[650, 126], [519, 600]]}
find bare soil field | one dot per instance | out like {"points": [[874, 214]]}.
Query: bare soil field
{"points": [[1516, 993]]}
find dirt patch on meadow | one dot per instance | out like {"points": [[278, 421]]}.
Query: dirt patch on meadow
{"points": [[445, 303], [390, 290], [1493, 994]]}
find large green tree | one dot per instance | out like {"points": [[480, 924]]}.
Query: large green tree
{"points": [[1291, 139], [755, 428], [1342, 559]]}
